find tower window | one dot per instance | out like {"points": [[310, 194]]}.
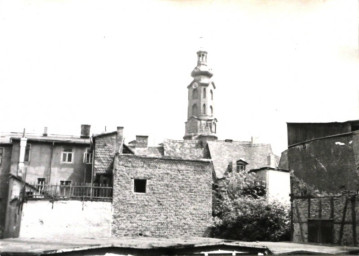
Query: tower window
{"points": [[194, 110], [139, 185], [204, 109], [195, 94], [211, 95], [204, 92]]}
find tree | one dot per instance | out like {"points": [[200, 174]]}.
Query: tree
{"points": [[242, 212]]}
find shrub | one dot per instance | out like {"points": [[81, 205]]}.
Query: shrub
{"points": [[242, 212]]}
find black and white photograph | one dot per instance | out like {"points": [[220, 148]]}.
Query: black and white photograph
{"points": [[179, 127]]}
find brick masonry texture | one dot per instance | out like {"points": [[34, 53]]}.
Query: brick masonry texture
{"points": [[105, 148], [177, 203]]}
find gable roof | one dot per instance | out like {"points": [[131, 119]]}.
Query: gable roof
{"points": [[222, 153]]}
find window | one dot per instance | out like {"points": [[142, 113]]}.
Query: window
{"points": [[211, 95], [139, 185], [241, 165], [204, 109], [1, 154], [67, 156], [65, 182], [204, 92], [194, 110], [88, 156], [211, 108], [41, 185], [195, 94], [27, 153]]}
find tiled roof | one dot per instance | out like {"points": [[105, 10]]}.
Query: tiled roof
{"points": [[222, 153], [186, 149]]}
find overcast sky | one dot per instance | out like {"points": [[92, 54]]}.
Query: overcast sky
{"points": [[127, 63]]}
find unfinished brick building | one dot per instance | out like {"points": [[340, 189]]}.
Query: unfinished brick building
{"points": [[161, 196]]}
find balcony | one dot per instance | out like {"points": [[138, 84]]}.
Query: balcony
{"points": [[95, 192]]}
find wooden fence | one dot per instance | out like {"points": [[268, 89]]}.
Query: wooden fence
{"points": [[72, 191]]}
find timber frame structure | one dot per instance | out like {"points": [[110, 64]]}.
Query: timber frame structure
{"points": [[328, 219]]}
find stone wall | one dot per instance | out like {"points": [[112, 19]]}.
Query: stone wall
{"points": [[177, 202], [105, 148], [342, 211], [78, 219]]}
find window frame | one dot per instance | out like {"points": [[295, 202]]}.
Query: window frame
{"points": [[67, 156], [87, 158]]}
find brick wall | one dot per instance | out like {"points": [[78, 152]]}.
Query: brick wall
{"points": [[177, 202], [105, 148]]}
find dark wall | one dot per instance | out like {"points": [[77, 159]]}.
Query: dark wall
{"points": [[300, 132], [4, 185], [327, 164]]}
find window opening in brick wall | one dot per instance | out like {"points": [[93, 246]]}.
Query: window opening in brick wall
{"points": [[139, 185]]}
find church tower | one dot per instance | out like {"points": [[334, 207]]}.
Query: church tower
{"points": [[201, 123]]}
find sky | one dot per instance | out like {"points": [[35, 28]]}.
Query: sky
{"points": [[113, 63]]}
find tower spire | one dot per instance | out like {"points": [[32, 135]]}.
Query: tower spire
{"points": [[201, 123]]}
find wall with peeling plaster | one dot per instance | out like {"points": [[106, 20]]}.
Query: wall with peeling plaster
{"points": [[329, 164]]}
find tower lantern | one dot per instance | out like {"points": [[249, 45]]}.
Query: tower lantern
{"points": [[201, 123]]}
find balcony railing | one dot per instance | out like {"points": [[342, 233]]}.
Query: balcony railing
{"points": [[75, 191]]}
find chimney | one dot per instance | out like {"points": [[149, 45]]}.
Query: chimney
{"points": [[119, 139], [141, 141], [21, 166], [45, 132], [271, 161], [85, 131]]}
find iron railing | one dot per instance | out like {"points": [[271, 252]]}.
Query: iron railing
{"points": [[72, 191]]}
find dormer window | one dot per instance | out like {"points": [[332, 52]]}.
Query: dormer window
{"points": [[241, 165]]}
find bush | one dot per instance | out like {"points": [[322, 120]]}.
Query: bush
{"points": [[249, 219], [242, 212]]}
